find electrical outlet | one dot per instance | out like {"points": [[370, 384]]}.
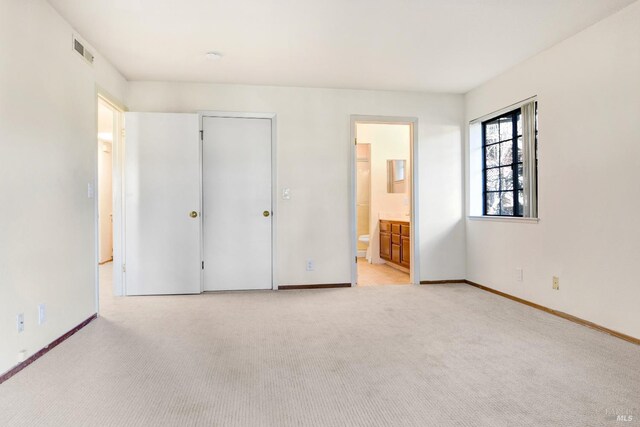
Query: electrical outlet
{"points": [[42, 314], [22, 356], [20, 322], [556, 283], [311, 265], [519, 275]]}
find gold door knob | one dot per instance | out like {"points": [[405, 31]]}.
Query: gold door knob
{"points": [[193, 214], [266, 213]]}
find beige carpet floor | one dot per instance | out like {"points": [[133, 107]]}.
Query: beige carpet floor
{"points": [[439, 355]]}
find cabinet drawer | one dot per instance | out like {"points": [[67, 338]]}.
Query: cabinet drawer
{"points": [[395, 228], [395, 239], [405, 230], [385, 227]]}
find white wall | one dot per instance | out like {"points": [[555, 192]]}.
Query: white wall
{"points": [[106, 125], [105, 201], [48, 154], [313, 160], [363, 196], [388, 142], [588, 90]]}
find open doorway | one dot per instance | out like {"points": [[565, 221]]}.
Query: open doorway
{"points": [[108, 127], [384, 202], [105, 182]]}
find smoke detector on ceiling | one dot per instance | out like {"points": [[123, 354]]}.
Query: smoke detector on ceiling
{"points": [[213, 56]]}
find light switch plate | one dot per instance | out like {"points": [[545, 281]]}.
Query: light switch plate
{"points": [[42, 314], [286, 194], [20, 322]]}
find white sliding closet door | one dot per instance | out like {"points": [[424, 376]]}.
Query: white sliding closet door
{"points": [[162, 210], [236, 182]]}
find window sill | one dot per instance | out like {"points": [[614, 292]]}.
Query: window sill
{"points": [[504, 219]]}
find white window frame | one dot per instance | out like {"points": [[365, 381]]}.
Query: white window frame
{"points": [[475, 176]]}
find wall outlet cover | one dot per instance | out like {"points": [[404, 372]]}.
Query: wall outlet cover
{"points": [[556, 283], [311, 265], [519, 275]]}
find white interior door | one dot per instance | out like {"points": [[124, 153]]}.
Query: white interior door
{"points": [[236, 182], [162, 220]]}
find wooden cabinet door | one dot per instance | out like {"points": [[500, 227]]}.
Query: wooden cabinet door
{"points": [[395, 253], [406, 252], [385, 246]]}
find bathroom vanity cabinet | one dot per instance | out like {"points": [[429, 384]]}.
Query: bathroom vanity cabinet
{"points": [[395, 242]]}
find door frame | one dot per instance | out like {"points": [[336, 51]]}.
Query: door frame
{"points": [[414, 275], [274, 184], [117, 186]]}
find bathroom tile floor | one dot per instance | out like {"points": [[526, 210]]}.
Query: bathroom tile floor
{"points": [[379, 274]]}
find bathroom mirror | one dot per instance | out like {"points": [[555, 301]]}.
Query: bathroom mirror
{"points": [[396, 176]]}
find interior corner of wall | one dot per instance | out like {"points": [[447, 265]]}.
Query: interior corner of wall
{"points": [[474, 175]]}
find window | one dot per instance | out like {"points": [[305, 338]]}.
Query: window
{"points": [[503, 168]]}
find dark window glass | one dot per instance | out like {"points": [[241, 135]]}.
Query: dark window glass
{"points": [[502, 168]]}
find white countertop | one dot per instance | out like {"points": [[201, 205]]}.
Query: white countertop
{"points": [[403, 218]]}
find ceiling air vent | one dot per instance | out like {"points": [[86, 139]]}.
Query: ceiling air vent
{"points": [[79, 47]]}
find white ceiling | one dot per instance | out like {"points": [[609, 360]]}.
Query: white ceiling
{"points": [[424, 45]]}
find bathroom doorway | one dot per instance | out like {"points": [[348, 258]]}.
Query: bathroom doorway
{"points": [[383, 194], [106, 118], [107, 191]]}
